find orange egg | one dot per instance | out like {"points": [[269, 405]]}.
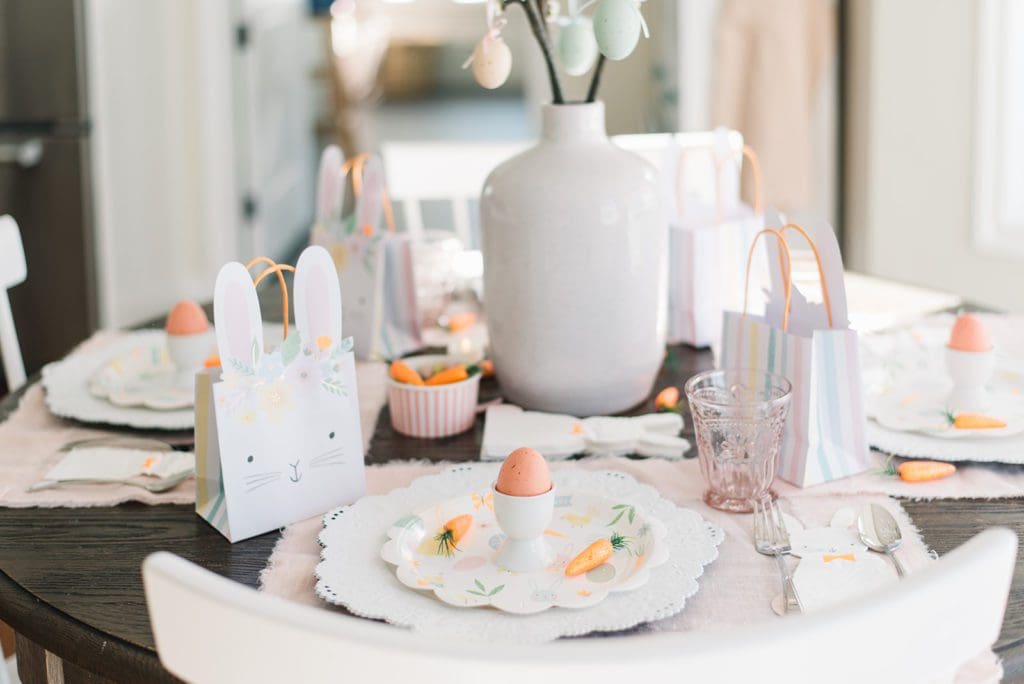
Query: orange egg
{"points": [[969, 334], [187, 318], [524, 473]]}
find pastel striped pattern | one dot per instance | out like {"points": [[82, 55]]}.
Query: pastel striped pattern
{"points": [[706, 272], [432, 412], [825, 432]]}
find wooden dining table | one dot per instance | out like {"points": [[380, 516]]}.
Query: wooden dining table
{"points": [[71, 584]]}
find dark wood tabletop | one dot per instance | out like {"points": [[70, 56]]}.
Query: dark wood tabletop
{"points": [[70, 582]]}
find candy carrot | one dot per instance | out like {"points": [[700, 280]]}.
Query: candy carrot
{"points": [[974, 421], [487, 368], [595, 554], [402, 372], [667, 399], [454, 530], [456, 373], [925, 471]]}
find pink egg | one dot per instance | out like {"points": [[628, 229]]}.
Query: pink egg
{"points": [[187, 318], [524, 473], [969, 334]]}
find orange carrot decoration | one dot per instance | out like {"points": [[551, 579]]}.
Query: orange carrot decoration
{"points": [[925, 471], [454, 530], [667, 399], [403, 372], [974, 421], [596, 554]]}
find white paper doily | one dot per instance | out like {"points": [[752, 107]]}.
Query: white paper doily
{"points": [[352, 573], [144, 377], [67, 388]]}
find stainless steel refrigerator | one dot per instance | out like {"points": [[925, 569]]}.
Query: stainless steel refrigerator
{"points": [[44, 172]]}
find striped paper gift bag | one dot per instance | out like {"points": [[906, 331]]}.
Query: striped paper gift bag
{"points": [[811, 345], [708, 242]]}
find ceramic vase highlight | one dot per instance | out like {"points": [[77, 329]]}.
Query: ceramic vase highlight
{"points": [[575, 268]]}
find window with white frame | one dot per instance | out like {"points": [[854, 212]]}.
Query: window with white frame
{"points": [[999, 129]]}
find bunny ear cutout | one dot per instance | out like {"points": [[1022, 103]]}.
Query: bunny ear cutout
{"points": [[329, 185], [843, 518], [317, 298], [370, 203], [236, 315]]}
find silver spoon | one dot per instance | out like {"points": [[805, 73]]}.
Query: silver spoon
{"points": [[879, 532], [156, 486]]}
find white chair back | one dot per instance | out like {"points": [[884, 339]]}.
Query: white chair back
{"points": [[209, 629], [442, 171], [12, 272]]}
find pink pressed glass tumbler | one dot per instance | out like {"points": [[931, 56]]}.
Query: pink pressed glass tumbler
{"points": [[738, 418]]}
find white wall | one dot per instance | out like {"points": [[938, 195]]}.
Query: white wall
{"points": [[911, 144]]}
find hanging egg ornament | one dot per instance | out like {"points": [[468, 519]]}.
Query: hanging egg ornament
{"points": [[617, 28], [492, 62], [577, 48], [552, 10]]}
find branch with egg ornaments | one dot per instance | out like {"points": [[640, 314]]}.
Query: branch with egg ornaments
{"points": [[584, 43]]}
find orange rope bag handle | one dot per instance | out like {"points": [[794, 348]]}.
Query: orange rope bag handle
{"points": [[279, 270], [356, 165], [755, 169], [786, 266]]}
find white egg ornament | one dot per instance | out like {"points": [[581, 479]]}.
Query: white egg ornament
{"points": [[492, 62], [577, 48], [617, 28]]}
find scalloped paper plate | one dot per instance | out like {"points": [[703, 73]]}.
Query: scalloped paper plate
{"points": [[68, 395], [470, 577], [352, 574], [143, 376]]}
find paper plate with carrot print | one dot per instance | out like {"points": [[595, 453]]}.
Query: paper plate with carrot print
{"points": [[451, 548]]}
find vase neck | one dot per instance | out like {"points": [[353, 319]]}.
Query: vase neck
{"points": [[572, 122]]}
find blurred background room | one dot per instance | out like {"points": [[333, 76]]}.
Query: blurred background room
{"points": [[144, 144]]}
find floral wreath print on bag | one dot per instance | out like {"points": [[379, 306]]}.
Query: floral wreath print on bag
{"points": [[356, 235], [259, 385]]}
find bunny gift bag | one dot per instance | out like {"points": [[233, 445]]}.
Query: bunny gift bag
{"points": [[811, 345], [277, 432], [709, 236], [374, 264]]}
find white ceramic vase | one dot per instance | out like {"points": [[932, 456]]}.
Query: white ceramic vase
{"points": [[575, 269]]}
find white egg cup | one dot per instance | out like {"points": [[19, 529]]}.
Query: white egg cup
{"points": [[523, 519], [970, 372], [188, 354]]}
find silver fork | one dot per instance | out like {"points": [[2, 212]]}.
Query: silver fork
{"points": [[772, 539]]}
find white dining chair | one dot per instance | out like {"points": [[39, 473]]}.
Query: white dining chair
{"points": [[922, 629], [452, 172], [12, 272]]}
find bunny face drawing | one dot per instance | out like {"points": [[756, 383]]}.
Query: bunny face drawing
{"points": [[287, 419]]}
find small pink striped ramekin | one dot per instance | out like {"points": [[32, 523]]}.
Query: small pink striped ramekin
{"points": [[432, 411]]}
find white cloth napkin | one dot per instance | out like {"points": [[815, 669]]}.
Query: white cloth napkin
{"points": [[120, 464], [559, 436]]}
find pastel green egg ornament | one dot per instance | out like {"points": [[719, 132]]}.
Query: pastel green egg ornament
{"points": [[616, 28], [577, 47], [492, 62]]}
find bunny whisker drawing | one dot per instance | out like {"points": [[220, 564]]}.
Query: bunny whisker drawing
{"points": [[276, 414], [253, 486], [272, 475]]}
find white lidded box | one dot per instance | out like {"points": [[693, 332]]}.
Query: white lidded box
{"points": [[432, 411]]}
